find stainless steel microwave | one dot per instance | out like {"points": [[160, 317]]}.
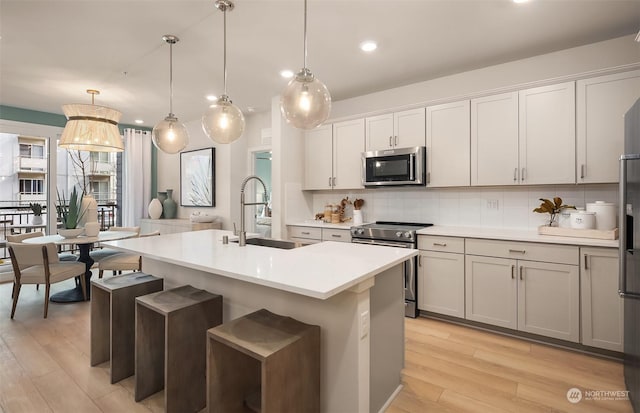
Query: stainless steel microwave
{"points": [[401, 166]]}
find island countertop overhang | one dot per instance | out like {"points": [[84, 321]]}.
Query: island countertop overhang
{"points": [[319, 271]]}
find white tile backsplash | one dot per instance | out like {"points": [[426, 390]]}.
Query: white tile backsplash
{"points": [[474, 207]]}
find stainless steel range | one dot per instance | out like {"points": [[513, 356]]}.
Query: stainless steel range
{"points": [[401, 235]]}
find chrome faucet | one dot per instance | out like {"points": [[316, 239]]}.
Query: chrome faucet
{"points": [[243, 234]]}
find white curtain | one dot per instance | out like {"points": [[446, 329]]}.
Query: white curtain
{"points": [[136, 176]]}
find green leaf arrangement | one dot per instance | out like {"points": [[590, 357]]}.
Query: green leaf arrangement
{"points": [[70, 213], [552, 208]]}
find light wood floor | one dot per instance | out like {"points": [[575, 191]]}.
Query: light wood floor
{"points": [[44, 366]]}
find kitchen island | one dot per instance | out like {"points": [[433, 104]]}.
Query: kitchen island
{"points": [[354, 292]]}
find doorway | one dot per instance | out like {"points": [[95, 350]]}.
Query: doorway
{"points": [[261, 166]]}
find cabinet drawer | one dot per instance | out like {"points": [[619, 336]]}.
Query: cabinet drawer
{"points": [[561, 254], [340, 235], [444, 244], [305, 232]]}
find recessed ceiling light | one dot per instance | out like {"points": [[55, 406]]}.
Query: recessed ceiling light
{"points": [[139, 121], [368, 46], [251, 109], [212, 98], [287, 74], [520, 1]]}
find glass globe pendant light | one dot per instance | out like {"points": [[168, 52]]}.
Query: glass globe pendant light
{"points": [[223, 122], [305, 103], [169, 135]]}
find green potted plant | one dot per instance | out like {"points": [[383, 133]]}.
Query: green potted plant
{"points": [[69, 213], [37, 213]]}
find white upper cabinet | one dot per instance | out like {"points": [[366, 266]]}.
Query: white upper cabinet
{"points": [[333, 156], [448, 144], [396, 130], [547, 138], [600, 108], [348, 145], [318, 167], [494, 140]]}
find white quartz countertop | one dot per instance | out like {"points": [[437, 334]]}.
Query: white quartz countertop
{"points": [[321, 224], [320, 270], [508, 234]]}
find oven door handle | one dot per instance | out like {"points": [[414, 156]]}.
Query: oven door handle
{"points": [[383, 243]]}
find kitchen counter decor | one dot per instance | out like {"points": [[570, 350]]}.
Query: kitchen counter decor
{"points": [[553, 208], [579, 233]]}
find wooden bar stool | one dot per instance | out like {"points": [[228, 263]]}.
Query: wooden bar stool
{"points": [[113, 320], [263, 362], [171, 336]]}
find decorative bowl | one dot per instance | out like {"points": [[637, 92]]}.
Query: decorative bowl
{"points": [[70, 233]]}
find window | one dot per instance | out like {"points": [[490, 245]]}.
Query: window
{"points": [[28, 150], [100, 157], [32, 186]]}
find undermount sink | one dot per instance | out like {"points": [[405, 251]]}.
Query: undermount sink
{"points": [[273, 243]]}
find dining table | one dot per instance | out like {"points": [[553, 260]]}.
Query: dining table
{"points": [[84, 244]]}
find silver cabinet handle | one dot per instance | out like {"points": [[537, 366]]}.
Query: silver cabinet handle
{"points": [[428, 177], [582, 171], [515, 175], [586, 262], [305, 233], [522, 178], [518, 251], [396, 141], [334, 181], [391, 141], [440, 244], [513, 270], [419, 260], [521, 270], [336, 236], [329, 181]]}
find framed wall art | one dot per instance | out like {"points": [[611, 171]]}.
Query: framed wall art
{"points": [[198, 178]]}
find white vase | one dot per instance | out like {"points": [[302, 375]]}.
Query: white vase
{"points": [[37, 220], [92, 229], [357, 217], [89, 210], [155, 209]]}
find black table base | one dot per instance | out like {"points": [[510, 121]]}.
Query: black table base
{"points": [[74, 295]]}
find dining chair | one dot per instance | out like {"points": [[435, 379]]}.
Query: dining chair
{"points": [[123, 261], [39, 264], [101, 253]]}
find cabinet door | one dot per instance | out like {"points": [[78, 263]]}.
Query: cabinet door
{"points": [[491, 291], [348, 145], [601, 105], [494, 140], [379, 132], [547, 138], [409, 128], [548, 299], [318, 169], [441, 283], [602, 307], [448, 144]]}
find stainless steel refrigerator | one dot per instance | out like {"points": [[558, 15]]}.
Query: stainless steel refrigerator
{"points": [[629, 281]]}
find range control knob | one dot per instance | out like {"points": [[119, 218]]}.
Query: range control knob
{"points": [[399, 234], [360, 231], [407, 234]]}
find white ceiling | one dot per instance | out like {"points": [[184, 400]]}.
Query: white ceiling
{"points": [[51, 51]]}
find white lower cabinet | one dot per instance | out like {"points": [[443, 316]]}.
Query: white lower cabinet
{"points": [[441, 275], [602, 307], [503, 289]]}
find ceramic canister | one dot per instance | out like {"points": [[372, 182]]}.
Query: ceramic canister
{"points": [[605, 214], [583, 220]]}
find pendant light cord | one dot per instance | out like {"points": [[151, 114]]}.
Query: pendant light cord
{"points": [[305, 34], [171, 78], [224, 59]]}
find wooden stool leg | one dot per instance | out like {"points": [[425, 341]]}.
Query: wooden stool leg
{"points": [[46, 299], [15, 299]]}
